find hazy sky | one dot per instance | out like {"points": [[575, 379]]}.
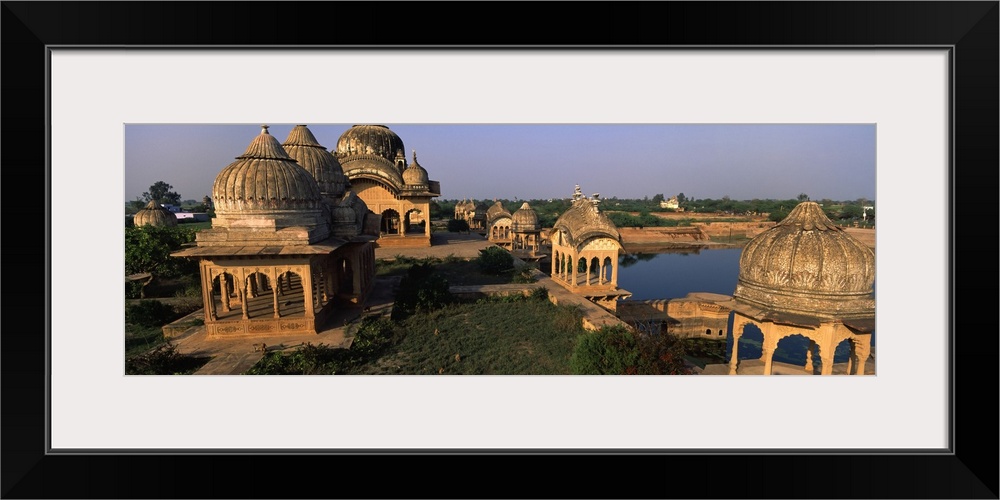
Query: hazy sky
{"points": [[546, 161]]}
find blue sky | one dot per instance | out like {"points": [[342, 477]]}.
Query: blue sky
{"points": [[485, 161]]}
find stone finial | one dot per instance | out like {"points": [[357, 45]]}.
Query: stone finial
{"points": [[263, 129], [414, 156]]}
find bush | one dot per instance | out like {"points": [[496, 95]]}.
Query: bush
{"points": [[149, 313], [422, 289], [458, 226], [540, 293], [164, 360], [307, 360], [495, 260], [619, 351], [148, 248], [524, 274], [608, 351]]}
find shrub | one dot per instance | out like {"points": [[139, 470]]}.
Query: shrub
{"points": [[307, 360], [458, 226], [495, 260], [164, 360], [148, 248], [422, 289], [523, 274], [149, 313], [608, 351], [540, 293], [619, 351]]}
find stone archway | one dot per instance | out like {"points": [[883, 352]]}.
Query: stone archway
{"points": [[391, 223]]}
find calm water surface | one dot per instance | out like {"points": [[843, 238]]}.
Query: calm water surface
{"points": [[671, 275]]}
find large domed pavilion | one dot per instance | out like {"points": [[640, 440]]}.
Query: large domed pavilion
{"points": [[373, 159], [284, 250], [806, 276]]}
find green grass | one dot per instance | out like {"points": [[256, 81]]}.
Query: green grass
{"points": [[523, 336]]}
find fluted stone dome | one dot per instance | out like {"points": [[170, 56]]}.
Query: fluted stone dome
{"points": [[525, 219], [302, 146], [497, 211], [584, 221], [807, 265], [370, 139], [265, 178], [154, 215], [415, 175]]}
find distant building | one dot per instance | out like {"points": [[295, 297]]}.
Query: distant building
{"points": [[671, 203], [499, 225]]}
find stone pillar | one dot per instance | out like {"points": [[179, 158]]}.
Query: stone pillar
{"points": [[809, 357], [208, 295], [241, 293], [734, 360], [274, 293], [260, 282], [864, 349], [555, 255], [576, 264], [769, 346], [826, 355], [427, 220], [307, 291], [588, 272], [614, 271], [224, 291], [600, 281]]}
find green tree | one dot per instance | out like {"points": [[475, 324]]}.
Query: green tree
{"points": [[495, 260], [148, 248], [851, 212], [657, 198], [681, 198], [803, 197], [161, 192]]}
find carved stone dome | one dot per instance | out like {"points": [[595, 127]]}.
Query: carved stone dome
{"points": [[302, 146], [265, 178], [807, 265], [154, 215], [584, 221], [415, 175], [497, 211], [525, 219], [370, 139]]}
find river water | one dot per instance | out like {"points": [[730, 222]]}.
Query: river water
{"points": [[674, 274]]}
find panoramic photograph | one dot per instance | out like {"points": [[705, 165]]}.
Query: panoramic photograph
{"points": [[499, 249]]}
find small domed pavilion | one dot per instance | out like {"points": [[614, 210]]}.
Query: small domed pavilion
{"points": [[499, 222], [153, 214], [281, 257], [372, 158], [585, 246], [806, 276], [526, 229]]}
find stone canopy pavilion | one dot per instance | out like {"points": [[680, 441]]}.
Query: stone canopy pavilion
{"points": [[289, 243], [806, 276]]}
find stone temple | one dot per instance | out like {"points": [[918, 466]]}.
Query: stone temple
{"points": [[373, 159], [806, 276], [289, 244]]}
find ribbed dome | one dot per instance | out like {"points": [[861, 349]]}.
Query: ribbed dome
{"points": [[481, 210], [525, 219], [154, 215], [807, 265], [415, 175], [303, 147], [497, 211], [265, 178], [370, 139], [584, 221]]}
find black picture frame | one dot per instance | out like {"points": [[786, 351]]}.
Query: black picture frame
{"points": [[969, 28]]}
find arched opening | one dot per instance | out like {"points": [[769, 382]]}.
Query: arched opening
{"points": [[260, 295], [750, 344], [292, 300], [225, 295], [414, 221], [390, 221], [594, 277], [607, 269], [794, 350]]}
